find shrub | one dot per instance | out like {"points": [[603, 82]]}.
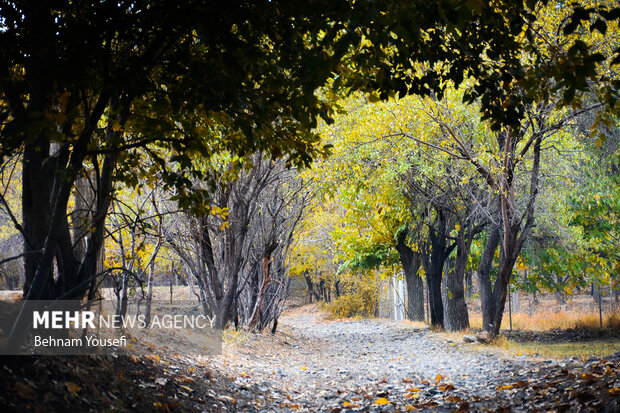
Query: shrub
{"points": [[361, 302]]}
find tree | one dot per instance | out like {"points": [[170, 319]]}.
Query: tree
{"points": [[313, 254], [136, 235], [237, 251], [362, 176]]}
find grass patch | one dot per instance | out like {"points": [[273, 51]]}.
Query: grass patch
{"points": [[560, 350], [549, 320], [414, 324]]}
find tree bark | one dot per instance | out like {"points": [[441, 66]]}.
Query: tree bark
{"points": [[433, 262], [484, 278], [411, 261], [36, 194], [149, 293], [457, 317], [311, 292]]}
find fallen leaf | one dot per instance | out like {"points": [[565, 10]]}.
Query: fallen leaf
{"points": [[72, 387], [589, 377], [382, 400], [25, 391], [410, 408], [186, 388], [184, 379], [438, 378], [413, 389]]}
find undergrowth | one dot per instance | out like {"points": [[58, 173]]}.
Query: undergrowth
{"points": [[549, 320]]}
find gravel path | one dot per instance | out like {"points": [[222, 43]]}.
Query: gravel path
{"points": [[312, 364]]}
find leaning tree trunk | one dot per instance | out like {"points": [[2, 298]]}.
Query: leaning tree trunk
{"points": [[415, 286], [515, 232], [500, 291]]}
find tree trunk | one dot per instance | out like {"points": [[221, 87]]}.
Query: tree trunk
{"points": [[122, 308], [36, 194], [433, 262], [311, 291], [411, 261], [595, 293], [457, 317], [484, 278], [500, 291], [469, 284], [149, 293]]}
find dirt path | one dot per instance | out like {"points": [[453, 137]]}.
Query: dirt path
{"points": [[316, 365], [313, 364]]}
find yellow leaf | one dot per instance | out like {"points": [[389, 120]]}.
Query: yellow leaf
{"points": [[186, 388], [413, 389], [438, 378], [410, 408], [447, 387], [72, 387], [382, 400]]}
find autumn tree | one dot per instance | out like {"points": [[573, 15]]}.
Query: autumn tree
{"points": [[236, 250]]}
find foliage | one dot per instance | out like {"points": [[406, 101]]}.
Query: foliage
{"points": [[360, 297]]}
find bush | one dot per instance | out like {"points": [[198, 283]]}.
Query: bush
{"points": [[361, 302]]}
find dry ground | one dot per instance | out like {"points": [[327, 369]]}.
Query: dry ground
{"points": [[316, 364]]}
